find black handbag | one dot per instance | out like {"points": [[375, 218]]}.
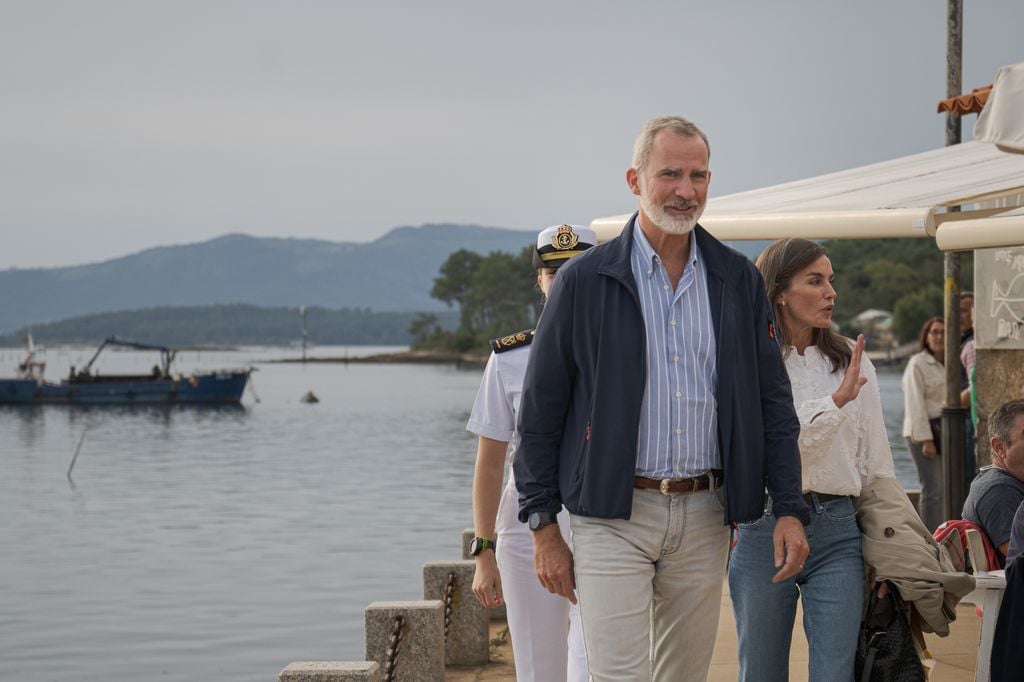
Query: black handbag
{"points": [[936, 428], [885, 650]]}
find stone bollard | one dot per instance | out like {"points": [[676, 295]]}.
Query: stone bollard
{"points": [[467, 641], [331, 671], [420, 654], [468, 534], [467, 537]]}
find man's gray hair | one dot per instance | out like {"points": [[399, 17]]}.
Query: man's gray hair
{"points": [[677, 124], [1000, 424]]}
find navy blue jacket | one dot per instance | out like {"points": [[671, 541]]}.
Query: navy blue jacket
{"points": [[584, 386]]}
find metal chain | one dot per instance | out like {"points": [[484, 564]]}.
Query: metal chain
{"points": [[449, 595], [391, 654]]}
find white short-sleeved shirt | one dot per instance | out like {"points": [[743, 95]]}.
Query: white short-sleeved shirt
{"points": [[494, 416]]}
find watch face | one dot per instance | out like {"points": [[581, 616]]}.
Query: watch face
{"points": [[538, 520], [477, 545]]}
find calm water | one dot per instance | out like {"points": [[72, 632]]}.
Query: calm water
{"points": [[196, 542]]}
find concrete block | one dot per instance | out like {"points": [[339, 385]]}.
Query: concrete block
{"points": [[467, 641], [468, 534], [331, 671], [421, 647]]}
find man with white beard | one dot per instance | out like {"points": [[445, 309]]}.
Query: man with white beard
{"points": [[657, 410]]}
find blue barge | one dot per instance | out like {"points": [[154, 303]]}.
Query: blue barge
{"points": [[160, 387]]}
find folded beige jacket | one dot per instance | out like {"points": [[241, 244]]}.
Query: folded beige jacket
{"points": [[900, 549]]}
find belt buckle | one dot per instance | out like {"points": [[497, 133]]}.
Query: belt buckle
{"points": [[663, 486]]}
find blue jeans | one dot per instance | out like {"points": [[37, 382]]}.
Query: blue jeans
{"points": [[831, 585]]}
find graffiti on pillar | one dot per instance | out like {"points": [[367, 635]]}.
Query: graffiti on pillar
{"points": [[999, 277], [1006, 302]]}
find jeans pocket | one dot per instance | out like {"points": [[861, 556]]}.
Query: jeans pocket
{"points": [[718, 499], [840, 511], [756, 523]]}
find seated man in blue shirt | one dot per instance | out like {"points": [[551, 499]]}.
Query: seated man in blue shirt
{"points": [[998, 490]]}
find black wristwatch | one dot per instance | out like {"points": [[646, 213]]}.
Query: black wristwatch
{"points": [[542, 518], [478, 545]]}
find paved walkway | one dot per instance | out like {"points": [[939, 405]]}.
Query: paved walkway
{"points": [[955, 655]]}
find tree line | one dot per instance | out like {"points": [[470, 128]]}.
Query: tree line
{"points": [[495, 295], [903, 276], [232, 324]]}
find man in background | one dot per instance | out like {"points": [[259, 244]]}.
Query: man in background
{"points": [[998, 490]]}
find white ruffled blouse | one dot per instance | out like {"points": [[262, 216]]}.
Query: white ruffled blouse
{"points": [[841, 450]]}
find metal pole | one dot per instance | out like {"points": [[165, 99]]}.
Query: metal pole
{"points": [[305, 333], [952, 414]]}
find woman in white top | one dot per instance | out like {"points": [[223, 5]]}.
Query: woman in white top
{"points": [[547, 639], [843, 446], [924, 391]]}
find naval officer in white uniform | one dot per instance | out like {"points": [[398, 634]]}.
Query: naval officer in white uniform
{"points": [[547, 640]]}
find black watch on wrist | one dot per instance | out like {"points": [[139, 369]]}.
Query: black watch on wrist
{"points": [[542, 518], [479, 544]]}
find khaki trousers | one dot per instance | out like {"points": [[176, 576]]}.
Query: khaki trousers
{"points": [[650, 588]]}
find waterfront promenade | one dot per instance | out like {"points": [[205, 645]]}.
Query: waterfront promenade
{"points": [[955, 655]]}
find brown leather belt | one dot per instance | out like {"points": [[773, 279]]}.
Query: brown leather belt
{"points": [[822, 497], [680, 485]]}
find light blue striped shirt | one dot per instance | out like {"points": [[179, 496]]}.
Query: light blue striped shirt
{"points": [[679, 417]]}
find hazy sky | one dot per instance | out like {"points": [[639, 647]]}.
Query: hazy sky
{"points": [[125, 125]]}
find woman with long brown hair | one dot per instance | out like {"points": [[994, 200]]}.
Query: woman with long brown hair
{"points": [[924, 391], [843, 447]]}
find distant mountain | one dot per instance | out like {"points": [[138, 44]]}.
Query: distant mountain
{"points": [[392, 273], [235, 324]]}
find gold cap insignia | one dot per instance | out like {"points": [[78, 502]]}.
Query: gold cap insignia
{"points": [[565, 238]]}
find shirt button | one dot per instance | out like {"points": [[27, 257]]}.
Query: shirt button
{"points": [[665, 287], [679, 430], [678, 394], [675, 358], [672, 322]]}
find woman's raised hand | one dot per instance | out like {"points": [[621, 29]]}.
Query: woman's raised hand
{"points": [[852, 380]]}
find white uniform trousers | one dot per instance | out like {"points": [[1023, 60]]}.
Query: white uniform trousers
{"points": [[650, 588], [547, 639]]}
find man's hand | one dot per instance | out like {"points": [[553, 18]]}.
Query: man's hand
{"points": [[791, 548], [553, 562], [928, 449], [852, 380], [486, 580]]}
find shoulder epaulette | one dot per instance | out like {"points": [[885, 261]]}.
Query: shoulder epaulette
{"points": [[516, 340]]}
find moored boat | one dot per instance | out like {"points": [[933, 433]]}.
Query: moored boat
{"points": [[162, 386]]}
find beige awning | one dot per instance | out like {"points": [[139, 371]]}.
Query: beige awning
{"points": [[904, 197], [983, 233]]}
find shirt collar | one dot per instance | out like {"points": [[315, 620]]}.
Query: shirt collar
{"points": [[649, 256]]}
